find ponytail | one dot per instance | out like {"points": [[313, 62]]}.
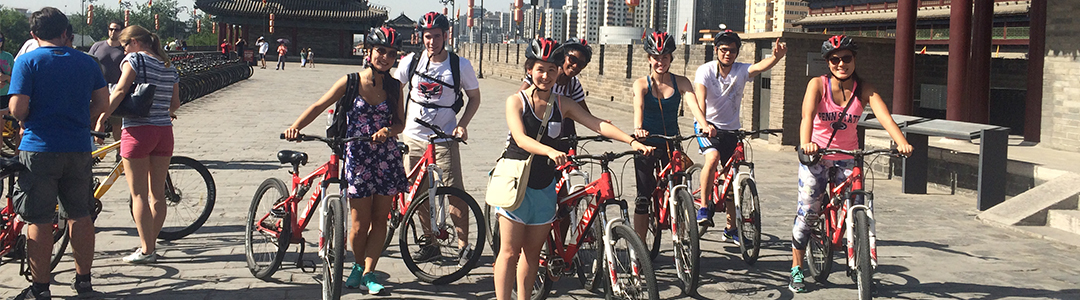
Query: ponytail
{"points": [[160, 51], [148, 39]]}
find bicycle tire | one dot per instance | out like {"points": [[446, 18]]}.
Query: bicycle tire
{"points": [[411, 235], [333, 261], [654, 232], [688, 245], [61, 238], [590, 256], [636, 258], [492, 218], [749, 222], [392, 223], [819, 250], [186, 214], [263, 265], [864, 271]]}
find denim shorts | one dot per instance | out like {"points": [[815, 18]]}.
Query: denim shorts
{"points": [[51, 176], [537, 208]]}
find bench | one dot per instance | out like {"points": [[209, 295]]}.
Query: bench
{"points": [[993, 152]]}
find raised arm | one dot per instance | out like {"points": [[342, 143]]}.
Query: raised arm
{"points": [[778, 51]]}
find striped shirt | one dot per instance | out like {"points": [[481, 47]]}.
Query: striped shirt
{"points": [[159, 75], [572, 90]]}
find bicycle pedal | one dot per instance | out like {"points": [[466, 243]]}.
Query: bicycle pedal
{"points": [[307, 266]]}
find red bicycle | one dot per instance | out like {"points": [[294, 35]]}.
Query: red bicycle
{"points": [[846, 218], [673, 208], [272, 223], [734, 181], [435, 250]]}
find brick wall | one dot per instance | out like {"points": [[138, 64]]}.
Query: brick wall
{"points": [[610, 75], [1061, 77]]}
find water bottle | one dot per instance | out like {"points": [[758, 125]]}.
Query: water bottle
{"points": [[329, 118]]}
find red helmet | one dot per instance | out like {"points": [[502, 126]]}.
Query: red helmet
{"points": [[384, 36], [837, 43], [659, 43], [543, 49], [433, 20]]}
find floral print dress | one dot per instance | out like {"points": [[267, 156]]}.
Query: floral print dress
{"points": [[372, 168]]}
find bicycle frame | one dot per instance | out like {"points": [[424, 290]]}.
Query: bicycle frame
{"points": [[300, 186], [425, 168], [669, 174], [841, 206], [12, 226], [733, 170], [115, 173]]}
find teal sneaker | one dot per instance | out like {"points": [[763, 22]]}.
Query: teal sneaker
{"points": [[796, 284], [354, 277], [372, 283]]}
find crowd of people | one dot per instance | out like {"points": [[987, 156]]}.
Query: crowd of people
{"points": [[54, 82]]}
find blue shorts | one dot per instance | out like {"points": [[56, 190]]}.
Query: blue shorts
{"points": [[537, 208]]}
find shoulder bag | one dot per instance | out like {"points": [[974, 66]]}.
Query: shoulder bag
{"points": [[139, 98], [510, 178]]}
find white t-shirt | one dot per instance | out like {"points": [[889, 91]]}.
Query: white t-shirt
{"points": [[28, 46], [263, 47], [428, 91], [723, 95]]}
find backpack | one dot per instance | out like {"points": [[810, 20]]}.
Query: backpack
{"points": [[455, 71], [338, 124]]}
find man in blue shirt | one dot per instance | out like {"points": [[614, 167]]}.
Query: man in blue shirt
{"points": [[55, 92]]}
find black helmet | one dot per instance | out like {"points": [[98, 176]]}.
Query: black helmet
{"points": [[577, 44], [726, 36], [837, 43], [433, 20], [543, 49], [383, 36], [659, 43]]}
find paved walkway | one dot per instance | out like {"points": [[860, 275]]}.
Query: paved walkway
{"points": [[930, 246]]}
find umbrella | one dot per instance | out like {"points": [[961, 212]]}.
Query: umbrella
{"points": [[284, 41]]}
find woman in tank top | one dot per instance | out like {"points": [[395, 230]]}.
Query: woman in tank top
{"points": [[833, 102], [525, 229], [657, 98]]}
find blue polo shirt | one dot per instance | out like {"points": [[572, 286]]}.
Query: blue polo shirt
{"points": [[59, 81]]}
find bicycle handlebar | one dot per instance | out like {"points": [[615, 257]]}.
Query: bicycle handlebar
{"points": [[100, 134], [595, 138], [604, 157], [439, 133], [328, 141], [669, 137], [860, 152]]}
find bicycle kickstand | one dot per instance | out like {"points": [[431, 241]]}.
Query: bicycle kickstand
{"points": [[306, 266]]}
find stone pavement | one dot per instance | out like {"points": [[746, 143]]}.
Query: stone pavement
{"points": [[930, 246]]}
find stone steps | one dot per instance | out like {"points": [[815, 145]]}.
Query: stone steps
{"points": [[1067, 220]]}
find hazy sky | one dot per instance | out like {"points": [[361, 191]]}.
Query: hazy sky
{"points": [[412, 8]]}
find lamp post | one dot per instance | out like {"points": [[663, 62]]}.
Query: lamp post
{"points": [[482, 13]]}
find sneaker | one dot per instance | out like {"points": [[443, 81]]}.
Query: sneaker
{"points": [[140, 258], [354, 277], [464, 254], [85, 290], [427, 253], [703, 218], [796, 284], [730, 235], [372, 283], [29, 293]]}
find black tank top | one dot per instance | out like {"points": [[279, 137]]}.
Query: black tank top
{"points": [[543, 169]]}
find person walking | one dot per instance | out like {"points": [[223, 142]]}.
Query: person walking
{"points": [[281, 51], [110, 53], [310, 58], [525, 229], [303, 57], [147, 142], [436, 79], [830, 112], [50, 87], [263, 48]]}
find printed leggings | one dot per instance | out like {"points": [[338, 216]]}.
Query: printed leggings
{"points": [[813, 180]]}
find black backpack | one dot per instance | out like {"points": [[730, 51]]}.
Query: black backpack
{"points": [[455, 71], [338, 125]]}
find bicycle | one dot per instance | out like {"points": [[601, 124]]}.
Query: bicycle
{"points": [[274, 219], [12, 240], [848, 217], [629, 270], [428, 207], [673, 208], [736, 181]]}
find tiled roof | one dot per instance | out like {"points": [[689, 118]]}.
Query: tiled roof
{"points": [[889, 15], [322, 10]]}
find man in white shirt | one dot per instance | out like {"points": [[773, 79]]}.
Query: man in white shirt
{"points": [[435, 97], [719, 88], [263, 47]]}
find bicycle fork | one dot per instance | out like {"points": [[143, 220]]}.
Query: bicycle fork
{"points": [[438, 205], [849, 221], [609, 251]]}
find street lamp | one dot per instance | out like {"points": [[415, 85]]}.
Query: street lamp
{"points": [[482, 13]]}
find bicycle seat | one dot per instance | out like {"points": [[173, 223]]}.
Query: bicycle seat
{"points": [[295, 158], [10, 166]]}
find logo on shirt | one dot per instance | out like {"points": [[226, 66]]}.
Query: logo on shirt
{"points": [[431, 90], [835, 116]]}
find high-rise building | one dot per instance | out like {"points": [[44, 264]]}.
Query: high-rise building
{"points": [[774, 15], [589, 13], [616, 13], [696, 15], [554, 24], [570, 18]]}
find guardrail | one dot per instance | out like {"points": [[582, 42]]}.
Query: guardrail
{"points": [[202, 73]]}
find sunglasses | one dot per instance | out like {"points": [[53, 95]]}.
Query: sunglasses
{"points": [[115, 29], [577, 61], [837, 59]]}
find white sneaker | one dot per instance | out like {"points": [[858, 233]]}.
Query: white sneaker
{"points": [[139, 258]]}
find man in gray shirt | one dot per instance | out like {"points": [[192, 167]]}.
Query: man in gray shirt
{"points": [[110, 53]]}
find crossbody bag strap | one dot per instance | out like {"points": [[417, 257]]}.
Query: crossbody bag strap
{"points": [[543, 123], [843, 113]]}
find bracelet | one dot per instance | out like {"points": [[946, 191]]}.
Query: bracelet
{"points": [[632, 142]]}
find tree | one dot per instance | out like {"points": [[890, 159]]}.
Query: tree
{"points": [[168, 11], [16, 29], [205, 38]]}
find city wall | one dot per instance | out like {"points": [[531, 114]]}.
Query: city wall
{"points": [[1061, 77]]}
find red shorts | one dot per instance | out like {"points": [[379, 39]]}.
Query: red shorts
{"points": [[147, 140]]}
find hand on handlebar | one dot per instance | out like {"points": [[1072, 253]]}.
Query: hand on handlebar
{"points": [[640, 133], [461, 133], [809, 148], [708, 130], [905, 149], [558, 156], [642, 148], [291, 134], [381, 135]]}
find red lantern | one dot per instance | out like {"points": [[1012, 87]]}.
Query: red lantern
{"points": [[470, 4], [271, 23], [632, 4], [518, 15], [156, 26], [213, 27], [519, 3], [90, 15], [198, 25], [127, 13]]}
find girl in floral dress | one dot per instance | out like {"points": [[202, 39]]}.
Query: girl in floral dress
{"points": [[373, 168]]}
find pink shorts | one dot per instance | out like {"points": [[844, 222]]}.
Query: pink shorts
{"points": [[147, 140]]}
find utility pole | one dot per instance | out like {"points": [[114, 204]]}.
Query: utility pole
{"points": [[482, 13]]}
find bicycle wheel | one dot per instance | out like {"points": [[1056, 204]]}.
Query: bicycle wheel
{"points": [[630, 264], [655, 230], [589, 260], [492, 218], [61, 237], [392, 223], [268, 230], [189, 195], [433, 254], [749, 222], [693, 185], [864, 271], [819, 250], [333, 263], [687, 242]]}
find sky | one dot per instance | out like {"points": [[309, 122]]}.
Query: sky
{"points": [[412, 8]]}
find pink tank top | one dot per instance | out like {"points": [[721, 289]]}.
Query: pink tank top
{"points": [[828, 112]]}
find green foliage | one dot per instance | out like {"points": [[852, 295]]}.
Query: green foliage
{"points": [[205, 38], [168, 11], [16, 29]]}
